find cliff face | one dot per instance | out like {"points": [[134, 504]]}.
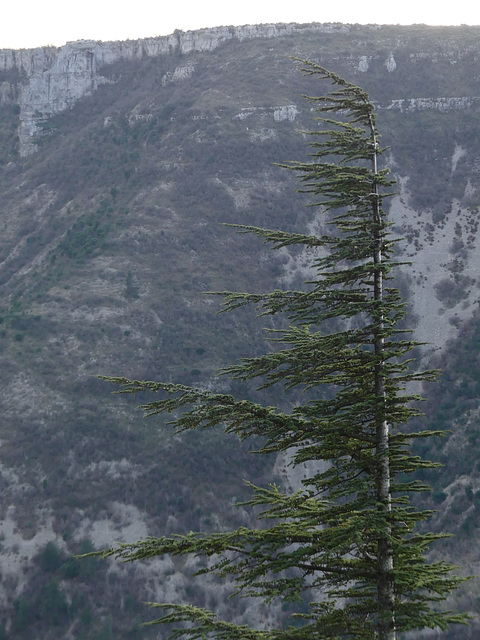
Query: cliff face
{"points": [[50, 80], [53, 79]]}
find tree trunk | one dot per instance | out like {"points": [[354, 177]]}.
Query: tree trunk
{"points": [[385, 579]]}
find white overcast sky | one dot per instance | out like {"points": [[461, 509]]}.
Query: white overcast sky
{"points": [[34, 23]]}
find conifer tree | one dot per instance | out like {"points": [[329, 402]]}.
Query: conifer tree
{"points": [[347, 540]]}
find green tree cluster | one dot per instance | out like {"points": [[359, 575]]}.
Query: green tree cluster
{"points": [[348, 540]]}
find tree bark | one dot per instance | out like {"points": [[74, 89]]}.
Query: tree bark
{"points": [[385, 579]]}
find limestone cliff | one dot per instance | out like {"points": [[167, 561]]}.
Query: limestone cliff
{"points": [[53, 79], [49, 80]]}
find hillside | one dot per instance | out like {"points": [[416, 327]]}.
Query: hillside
{"points": [[118, 164]]}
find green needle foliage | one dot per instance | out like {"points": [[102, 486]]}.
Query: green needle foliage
{"points": [[347, 540]]}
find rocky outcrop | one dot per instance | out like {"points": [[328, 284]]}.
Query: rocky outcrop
{"points": [[50, 80], [437, 104]]}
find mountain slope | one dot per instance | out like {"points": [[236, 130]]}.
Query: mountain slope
{"points": [[112, 199]]}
